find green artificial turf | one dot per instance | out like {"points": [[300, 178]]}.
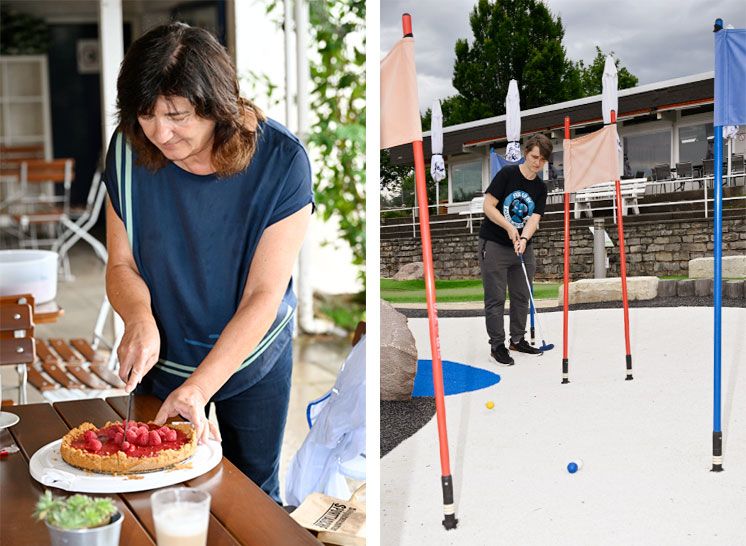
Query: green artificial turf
{"points": [[451, 291]]}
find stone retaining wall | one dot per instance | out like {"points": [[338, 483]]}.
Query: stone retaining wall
{"points": [[654, 248]]}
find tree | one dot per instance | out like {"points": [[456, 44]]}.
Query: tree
{"points": [[512, 39], [590, 76]]}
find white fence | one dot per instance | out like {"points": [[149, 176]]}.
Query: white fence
{"points": [[656, 187]]}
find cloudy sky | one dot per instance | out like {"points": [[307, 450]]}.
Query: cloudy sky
{"points": [[655, 39]]}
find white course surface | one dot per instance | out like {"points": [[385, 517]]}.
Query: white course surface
{"points": [[646, 444]]}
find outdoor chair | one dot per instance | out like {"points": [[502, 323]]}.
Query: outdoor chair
{"points": [[10, 164], [17, 338], [738, 166], [662, 172], [85, 219], [39, 207], [65, 370], [683, 174], [708, 167]]}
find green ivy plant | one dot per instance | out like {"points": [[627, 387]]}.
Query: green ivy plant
{"points": [[337, 102], [76, 512]]}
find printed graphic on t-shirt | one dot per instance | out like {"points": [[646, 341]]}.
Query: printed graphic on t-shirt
{"points": [[518, 207]]}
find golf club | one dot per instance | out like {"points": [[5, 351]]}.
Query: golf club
{"points": [[544, 345]]}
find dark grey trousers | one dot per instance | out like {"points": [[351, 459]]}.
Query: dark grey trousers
{"points": [[501, 269]]}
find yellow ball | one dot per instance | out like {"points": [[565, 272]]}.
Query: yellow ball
{"points": [[490, 404]]}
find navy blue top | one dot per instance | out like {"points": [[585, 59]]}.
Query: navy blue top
{"points": [[193, 238]]}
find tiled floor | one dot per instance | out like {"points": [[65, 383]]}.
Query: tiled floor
{"points": [[317, 359]]}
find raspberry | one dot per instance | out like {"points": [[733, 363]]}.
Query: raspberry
{"points": [[126, 445], [142, 428], [161, 433], [142, 439], [131, 449], [111, 432], [89, 435], [155, 438], [170, 435], [94, 445], [131, 435], [118, 438]]}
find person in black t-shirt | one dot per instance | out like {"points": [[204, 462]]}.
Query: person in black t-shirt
{"points": [[513, 205]]}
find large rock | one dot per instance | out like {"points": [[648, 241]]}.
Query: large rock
{"points": [[410, 272], [704, 268], [599, 290], [398, 355]]}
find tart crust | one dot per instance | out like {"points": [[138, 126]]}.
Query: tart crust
{"points": [[119, 462]]}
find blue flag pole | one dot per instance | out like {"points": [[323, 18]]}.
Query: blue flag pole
{"points": [[717, 433]]}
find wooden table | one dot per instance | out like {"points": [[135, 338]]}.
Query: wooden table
{"points": [[241, 513]]}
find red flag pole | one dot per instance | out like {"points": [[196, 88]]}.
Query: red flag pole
{"points": [[449, 512], [623, 268], [566, 302]]}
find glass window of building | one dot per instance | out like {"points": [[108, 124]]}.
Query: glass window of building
{"points": [[466, 180], [556, 165], [642, 152], [696, 142]]}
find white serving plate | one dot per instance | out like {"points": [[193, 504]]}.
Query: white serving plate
{"points": [[48, 468]]}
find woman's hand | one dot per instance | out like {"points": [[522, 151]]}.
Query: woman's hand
{"points": [[189, 401], [138, 352]]}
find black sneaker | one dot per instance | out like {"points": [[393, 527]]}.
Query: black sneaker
{"points": [[501, 356], [523, 347]]}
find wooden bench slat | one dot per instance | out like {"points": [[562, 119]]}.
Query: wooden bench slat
{"points": [[56, 372], [16, 317], [86, 377], [44, 354], [107, 375], [88, 352], [18, 350], [38, 380], [64, 350]]}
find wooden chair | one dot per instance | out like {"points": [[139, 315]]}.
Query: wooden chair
{"points": [[61, 365], [39, 206], [17, 347], [10, 166]]}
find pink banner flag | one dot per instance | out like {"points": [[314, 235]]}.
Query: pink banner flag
{"points": [[400, 104], [591, 159]]}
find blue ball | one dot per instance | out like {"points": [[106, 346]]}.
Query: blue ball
{"points": [[572, 468]]}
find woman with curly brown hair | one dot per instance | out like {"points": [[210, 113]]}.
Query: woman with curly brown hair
{"points": [[209, 205]]}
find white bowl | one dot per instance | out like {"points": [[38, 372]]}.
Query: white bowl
{"points": [[29, 272]]}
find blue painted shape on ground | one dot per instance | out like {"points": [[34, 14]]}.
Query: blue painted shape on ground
{"points": [[457, 378]]}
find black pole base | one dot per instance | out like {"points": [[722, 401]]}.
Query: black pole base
{"points": [[629, 368], [450, 521], [565, 374], [717, 452], [533, 335], [449, 513]]}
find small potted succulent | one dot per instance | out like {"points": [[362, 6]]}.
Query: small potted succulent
{"points": [[80, 520]]}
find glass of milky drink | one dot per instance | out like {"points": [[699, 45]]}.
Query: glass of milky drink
{"points": [[181, 516]]}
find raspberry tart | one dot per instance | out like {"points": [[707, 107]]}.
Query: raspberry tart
{"points": [[142, 447]]}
